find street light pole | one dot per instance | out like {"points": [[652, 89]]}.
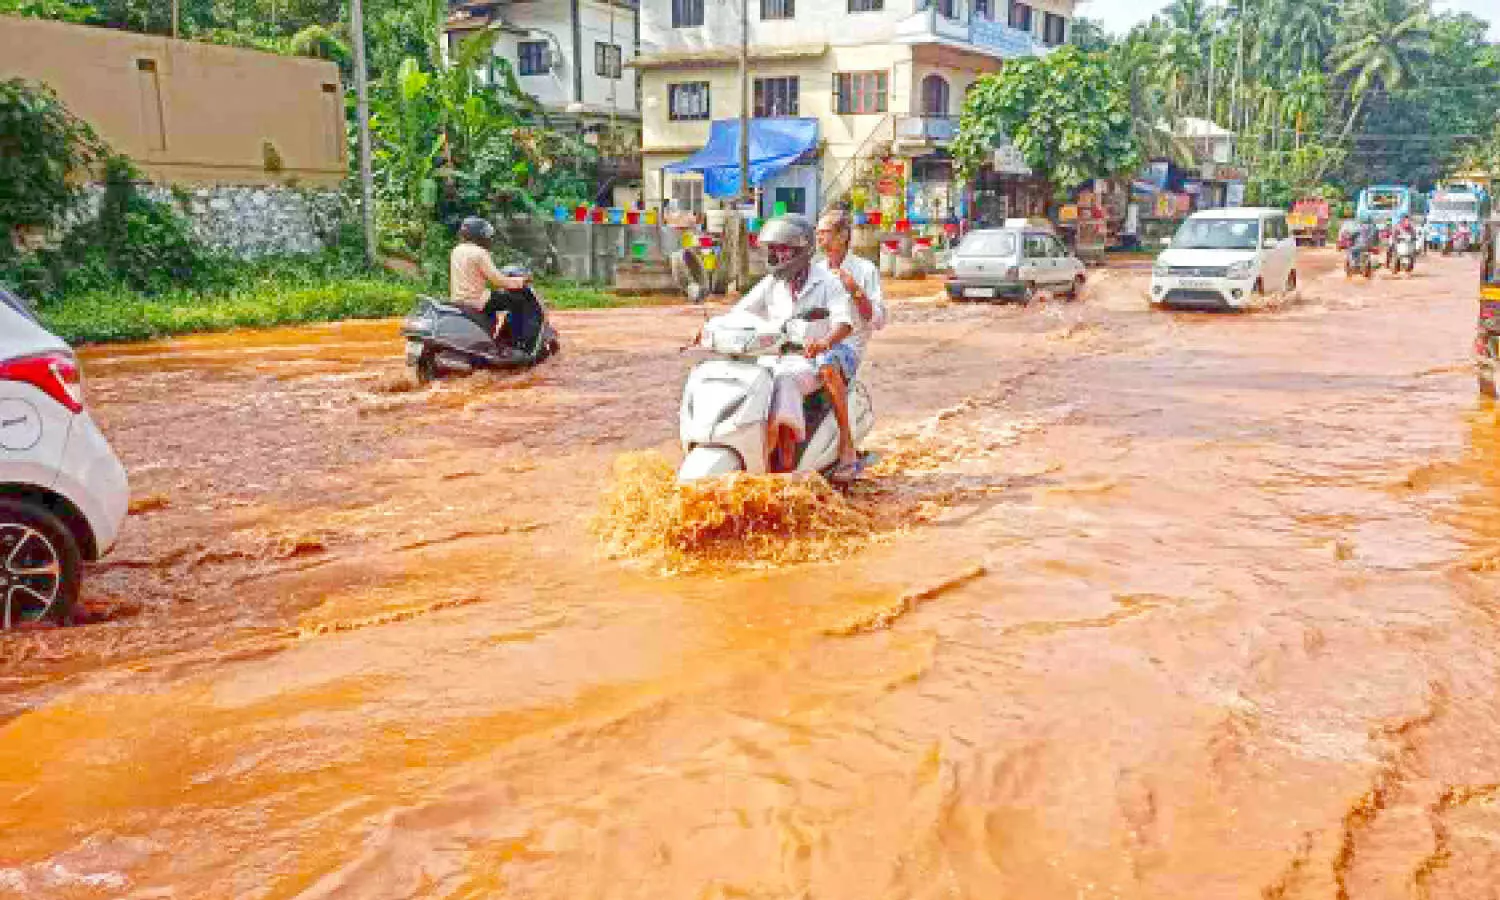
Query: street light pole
{"points": [[362, 117]]}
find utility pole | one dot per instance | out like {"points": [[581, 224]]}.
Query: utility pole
{"points": [[745, 193], [739, 228], [362, 116], [176, 19]]}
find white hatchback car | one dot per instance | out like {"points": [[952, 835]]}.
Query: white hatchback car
{"points": [[1226, 257], [63, 494]]}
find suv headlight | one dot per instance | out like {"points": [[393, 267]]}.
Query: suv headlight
{"points": [[1241, 270], [1161, 269]]}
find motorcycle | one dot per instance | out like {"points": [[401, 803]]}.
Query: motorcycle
{"points": [[726, 404], [1360, 262], [445, 339], [1403, 255]]}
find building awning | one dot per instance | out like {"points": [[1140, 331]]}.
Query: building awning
{"points": [[774, 145]]}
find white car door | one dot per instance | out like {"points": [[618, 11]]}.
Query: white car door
{"points": [[1270, 256], [1036, 265], [1288, 251], [1064, 267]]}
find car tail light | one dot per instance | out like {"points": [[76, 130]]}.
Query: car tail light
{"points": [[55, 374]]}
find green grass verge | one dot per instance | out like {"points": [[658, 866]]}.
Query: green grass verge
{"points": [[107, 316]]}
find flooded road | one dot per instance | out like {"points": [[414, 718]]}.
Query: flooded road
{"points": [[1169, 606]]}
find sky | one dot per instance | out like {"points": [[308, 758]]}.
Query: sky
{"points": [[1119, 15]]}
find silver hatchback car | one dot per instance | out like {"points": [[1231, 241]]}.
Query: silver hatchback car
{"points": [[1013, 263]]}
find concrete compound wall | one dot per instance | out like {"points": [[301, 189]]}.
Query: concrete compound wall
{"points": [[246, 222], [185, 112]]}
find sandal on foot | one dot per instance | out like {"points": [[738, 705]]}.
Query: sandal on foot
{"points": [[844, 473]]}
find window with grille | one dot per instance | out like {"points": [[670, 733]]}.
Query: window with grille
{"points": [[687, 13], [983, 10], [866, 5], [1020, 15], [607, 60], [777, 9], [1054, 30], [860, 92], [948, 9], [531, 58], [687, 194], [775, 97], [687, 102]]}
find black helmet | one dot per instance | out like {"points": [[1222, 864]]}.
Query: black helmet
{"points": [[476, 229], [789, 241]]}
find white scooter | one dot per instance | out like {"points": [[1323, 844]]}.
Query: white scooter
{"points": [[726, 405]]}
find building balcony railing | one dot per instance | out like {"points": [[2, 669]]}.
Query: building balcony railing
{"points": [[931, 129], [956, 21]]}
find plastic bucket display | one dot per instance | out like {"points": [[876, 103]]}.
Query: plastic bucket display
{"points": [[706, 240], [876, 218], [633, 217], [560, 213], [598, 216], [639, 250], [650, 217], [581, 214], [616, 215]]}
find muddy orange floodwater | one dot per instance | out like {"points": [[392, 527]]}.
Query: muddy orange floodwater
{"points": [[1137, 605]]}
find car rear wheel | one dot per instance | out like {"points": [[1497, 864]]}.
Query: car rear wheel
{"points": [[1076, 291], [40, 565]]}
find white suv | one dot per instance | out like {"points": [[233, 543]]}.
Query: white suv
{"points": [[63, 494], [1226, 257]]}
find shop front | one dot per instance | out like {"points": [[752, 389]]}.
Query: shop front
{"points": [[783, 163]]}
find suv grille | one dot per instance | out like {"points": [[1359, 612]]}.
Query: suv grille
{"points": [[1200, 271]]}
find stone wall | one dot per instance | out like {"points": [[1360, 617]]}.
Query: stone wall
{"points": [[247, 222]]}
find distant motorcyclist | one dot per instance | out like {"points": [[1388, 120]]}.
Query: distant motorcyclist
{"points": [[476, 284], [1365, 239], [1404, 230]]}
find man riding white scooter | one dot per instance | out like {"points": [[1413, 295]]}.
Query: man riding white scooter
{"points": [[861, 278], [799, 286]]}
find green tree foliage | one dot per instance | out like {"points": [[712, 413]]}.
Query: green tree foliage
{"points": [[44, 149], [1067, 113], [1348, 91]]}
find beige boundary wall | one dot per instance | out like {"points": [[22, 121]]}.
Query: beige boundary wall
{"points": [[189, 113]]}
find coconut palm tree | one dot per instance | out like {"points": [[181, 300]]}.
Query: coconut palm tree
{"points": [[1304, 32], [1382, 42]]}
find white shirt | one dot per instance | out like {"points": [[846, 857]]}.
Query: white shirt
{"points": [[867, 275], [772, 300]]}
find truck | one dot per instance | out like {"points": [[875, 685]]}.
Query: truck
{"points": [[1385, 205], [1309, 221], [1453, 206]]}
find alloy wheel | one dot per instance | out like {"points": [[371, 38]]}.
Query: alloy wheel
{"points": [[31, 574]]}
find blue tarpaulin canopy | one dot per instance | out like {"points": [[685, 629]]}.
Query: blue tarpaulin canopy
{"points": [[774, 145]]}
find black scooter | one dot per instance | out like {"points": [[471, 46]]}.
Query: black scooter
{"points": [[445, 339]]}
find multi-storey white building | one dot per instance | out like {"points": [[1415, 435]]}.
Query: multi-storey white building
{"points": [[574, 57], [882, 81]]}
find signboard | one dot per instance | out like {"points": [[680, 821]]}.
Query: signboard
{"points": [[1010, 161], [1157, 174], [1068, 214], [1001, 37]]}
